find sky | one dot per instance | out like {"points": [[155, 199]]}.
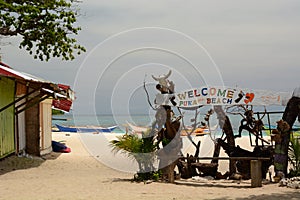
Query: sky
{"points": [[249, 44]]}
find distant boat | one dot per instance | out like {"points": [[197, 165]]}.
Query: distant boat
{"points": [[59, 119], [197, 131], [137, 129], [85, 129]]}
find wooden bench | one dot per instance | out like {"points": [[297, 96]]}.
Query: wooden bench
{"points": [[255, 164]]}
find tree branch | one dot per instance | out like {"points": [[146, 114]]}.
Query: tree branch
{"points": [[5, 31]]}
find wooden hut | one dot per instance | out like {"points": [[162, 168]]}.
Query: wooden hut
{"points": [[26, 111]]}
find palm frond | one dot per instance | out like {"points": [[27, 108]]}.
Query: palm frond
{"points": [[140, 149], [294, 152]]}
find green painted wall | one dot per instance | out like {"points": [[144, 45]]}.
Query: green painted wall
{"points": [[7, 139]]}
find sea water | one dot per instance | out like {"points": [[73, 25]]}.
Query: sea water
{"points": [[146, 120], [102, 120]]}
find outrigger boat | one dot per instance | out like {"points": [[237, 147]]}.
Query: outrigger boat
{"points": [[137, 129], [85, 129], [140, 129]]}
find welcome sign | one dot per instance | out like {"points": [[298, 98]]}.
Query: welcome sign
{"points": [[229, 96], [224, 96]]}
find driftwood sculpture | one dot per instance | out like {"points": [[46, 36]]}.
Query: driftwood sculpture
{"points": [[171, 142], [238, 168], [243, 166], [163, 82], [186, 168], [250, 124], [168, 129], [190, 166], [168, 135], [225, 123]]}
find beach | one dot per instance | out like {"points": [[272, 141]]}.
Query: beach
{"points": [[80, 175]]}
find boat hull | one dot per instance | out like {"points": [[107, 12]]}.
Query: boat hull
{"points": [[85, 129]]}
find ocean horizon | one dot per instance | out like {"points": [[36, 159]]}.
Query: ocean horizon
{"points": [[107, 120]]}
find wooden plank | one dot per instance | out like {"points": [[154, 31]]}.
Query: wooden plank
{"points": [[232, 158], [32, 128], [46, 126], [256, 177], [7, 137]]}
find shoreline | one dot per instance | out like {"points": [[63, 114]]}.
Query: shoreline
{"points": [[79, 175]]}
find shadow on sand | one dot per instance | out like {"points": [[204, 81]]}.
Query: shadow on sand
{"points": [[13, 162], [292, 195]]}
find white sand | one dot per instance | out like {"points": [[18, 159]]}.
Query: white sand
{"points": [[77, 175]]}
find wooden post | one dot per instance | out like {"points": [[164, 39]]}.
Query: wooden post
{"points": [[256, 176], [168, 171], [171, 172]]}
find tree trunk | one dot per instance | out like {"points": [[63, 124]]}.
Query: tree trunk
{"points": [[170, 153], [290, 115], [225, 123]]}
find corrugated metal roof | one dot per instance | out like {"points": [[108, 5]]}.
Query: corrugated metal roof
{"points": [[63, 93], [5, 70]]}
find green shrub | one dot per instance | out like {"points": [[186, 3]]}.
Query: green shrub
{"points": [[294, 156], [142, 149]]}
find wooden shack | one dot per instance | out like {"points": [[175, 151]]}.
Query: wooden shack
{"points": [[26, 112]]}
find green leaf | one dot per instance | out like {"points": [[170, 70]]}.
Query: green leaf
{"points": [[43, 26]]}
